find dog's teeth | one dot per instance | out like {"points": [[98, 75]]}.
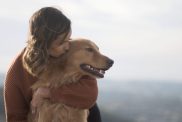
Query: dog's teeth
{"points": [[102, 71], [88, 66]]}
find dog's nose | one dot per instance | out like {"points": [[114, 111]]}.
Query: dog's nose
{"points": [[110, 62]]}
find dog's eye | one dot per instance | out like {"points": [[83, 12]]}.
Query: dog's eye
{"points": [[89, 49]]}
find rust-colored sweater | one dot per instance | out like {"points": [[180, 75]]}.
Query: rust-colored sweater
{"points": [[18, 94]]}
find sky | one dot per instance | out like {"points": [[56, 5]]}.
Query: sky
{"points": [[143, 37]]}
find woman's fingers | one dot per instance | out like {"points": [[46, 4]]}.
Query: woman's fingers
{"points": [[38, 96]]}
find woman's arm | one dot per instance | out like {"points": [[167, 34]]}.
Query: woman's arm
{"points": [[82, 94], [16, 108]]}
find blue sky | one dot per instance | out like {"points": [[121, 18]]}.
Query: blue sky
{"points": [[144, 37]]}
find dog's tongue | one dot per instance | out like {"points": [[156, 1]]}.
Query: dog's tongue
{"points": [[80, 95]]}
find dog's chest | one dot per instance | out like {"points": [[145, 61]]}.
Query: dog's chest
{"points": [[58, 112]]}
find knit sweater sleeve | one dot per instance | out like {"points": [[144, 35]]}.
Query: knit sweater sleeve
{"points": [[80, 95], [16, 108]]}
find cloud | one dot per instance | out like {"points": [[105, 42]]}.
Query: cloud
{"points": [[143, 36]]}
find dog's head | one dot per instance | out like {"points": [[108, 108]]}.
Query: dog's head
{"points": [[84, 57]]}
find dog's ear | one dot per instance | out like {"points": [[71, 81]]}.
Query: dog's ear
{"points": [[59, 50]]}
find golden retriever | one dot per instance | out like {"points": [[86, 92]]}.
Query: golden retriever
{"points": [[83, 58]]}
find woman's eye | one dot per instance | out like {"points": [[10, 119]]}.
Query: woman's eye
{"points": [[89, 49]]}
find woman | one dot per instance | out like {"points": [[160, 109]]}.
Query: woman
{"points": [[49, 35]]}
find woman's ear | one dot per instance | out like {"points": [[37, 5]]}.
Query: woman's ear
{"points": [[59, 50]]}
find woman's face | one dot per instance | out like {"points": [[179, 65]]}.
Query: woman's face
{"points": [[60, 45], [62, 39]]}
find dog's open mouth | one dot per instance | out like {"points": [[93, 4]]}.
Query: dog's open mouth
{"points": [[92, 70]]}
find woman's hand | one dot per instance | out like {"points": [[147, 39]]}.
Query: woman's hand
{"points": [[40, 94]]}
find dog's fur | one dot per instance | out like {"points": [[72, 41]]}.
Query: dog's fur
{"points": [[69, 68]]}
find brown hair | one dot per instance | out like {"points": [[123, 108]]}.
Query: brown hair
{"points": [[44, 27]]}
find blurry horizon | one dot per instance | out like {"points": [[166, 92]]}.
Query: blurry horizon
{"points": [[135, 101], [143, 37]]}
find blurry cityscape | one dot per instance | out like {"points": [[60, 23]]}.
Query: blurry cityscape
{"points": [[135, 101]]}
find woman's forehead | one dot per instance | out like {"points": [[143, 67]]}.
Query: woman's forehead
{"points": [[62, 35]]}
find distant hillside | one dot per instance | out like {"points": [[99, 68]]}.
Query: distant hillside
{"points": [[111, 117], [1, 79], [142, 101], [2, 117]]}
